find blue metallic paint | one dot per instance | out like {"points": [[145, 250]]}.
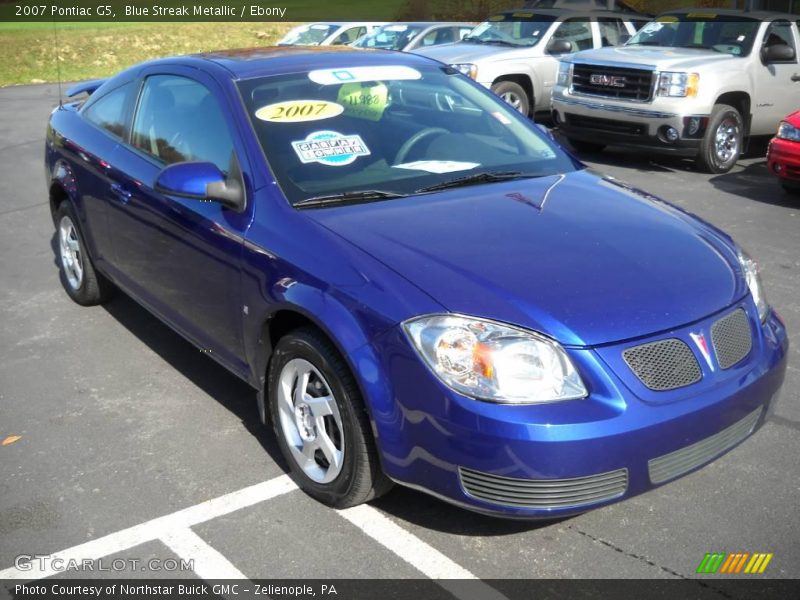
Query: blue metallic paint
{"points": [[589, 261]]}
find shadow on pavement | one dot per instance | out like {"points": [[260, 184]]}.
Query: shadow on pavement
{"points": [[754, 182]]}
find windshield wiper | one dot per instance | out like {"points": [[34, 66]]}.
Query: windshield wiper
{"points": [[347, 198], [477, 178]]}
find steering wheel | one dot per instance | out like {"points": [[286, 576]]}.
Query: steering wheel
{"points": [[405, 149]]}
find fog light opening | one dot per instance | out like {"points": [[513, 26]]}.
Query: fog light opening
{"points": [[777, 167]]}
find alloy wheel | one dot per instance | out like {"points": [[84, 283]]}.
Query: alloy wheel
{"points": [[71, 253]]}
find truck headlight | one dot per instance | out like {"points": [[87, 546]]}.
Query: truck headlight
{"points": [[678, 85], [468, 69], [491, 361], [787, 131], [564, 73], [752, 273]]}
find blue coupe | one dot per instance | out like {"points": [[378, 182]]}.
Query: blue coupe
{"points": [[422, 286]]}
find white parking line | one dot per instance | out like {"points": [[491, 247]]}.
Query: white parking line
{"points": [[155, 529], [174, 530], [208, 563]]}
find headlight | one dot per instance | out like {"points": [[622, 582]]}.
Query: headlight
{"points": [[752, 275], [467, 69], [787, 131], [490, 361], [564, 73], [678, 85]]}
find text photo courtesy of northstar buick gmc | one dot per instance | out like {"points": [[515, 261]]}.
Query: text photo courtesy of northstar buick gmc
{"points": [[422, 286]]}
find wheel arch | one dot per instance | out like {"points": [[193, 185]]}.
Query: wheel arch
{"points": [[525, 82], [741, 101]]}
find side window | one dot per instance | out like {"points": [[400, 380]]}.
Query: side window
{"points": [[780, 32], [611, 30], [179, 120], [576, 31], [349, 35], [109, 111]]}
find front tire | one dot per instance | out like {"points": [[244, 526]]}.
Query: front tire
{"points": [[514, 95], [320, 422], [81, 281], [722, 143]]}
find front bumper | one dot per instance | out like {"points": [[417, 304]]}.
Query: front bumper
{"points": [[560, 459], [626, 124], [783, 160]]}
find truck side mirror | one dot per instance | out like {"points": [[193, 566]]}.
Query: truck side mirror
{"points": [[777, 53], [558, 47]]}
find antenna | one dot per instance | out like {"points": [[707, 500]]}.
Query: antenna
{"points": [[58, 62]]}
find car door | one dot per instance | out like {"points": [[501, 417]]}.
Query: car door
{"points": [[90, 156], [579, 33], [777, 84], [182, 256]]}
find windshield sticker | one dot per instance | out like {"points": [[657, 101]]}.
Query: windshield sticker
{"points": [[652, 27], [299, 111], [497, 18], [522, 15], [358, 74], [702, 16], [395, 28], [438, 166], [330, 148], [364, 101], [319, 26], [667, 19]]}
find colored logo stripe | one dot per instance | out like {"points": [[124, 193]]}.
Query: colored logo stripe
{"points": [[722, 562]]}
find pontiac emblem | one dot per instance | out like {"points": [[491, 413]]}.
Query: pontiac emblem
{"points": [[607, 80]]}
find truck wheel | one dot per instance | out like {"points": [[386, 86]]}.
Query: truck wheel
{"points": [[513, 94], [722, 144], [588, 147], [321, 423]]}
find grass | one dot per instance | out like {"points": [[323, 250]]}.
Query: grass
{"points": [[94, 50]]}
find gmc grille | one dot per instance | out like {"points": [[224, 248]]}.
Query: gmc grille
{"points": [[621, 83]]}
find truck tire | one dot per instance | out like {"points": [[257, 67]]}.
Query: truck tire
{"points": [[722, 143], [587, 147], [513, 94]]}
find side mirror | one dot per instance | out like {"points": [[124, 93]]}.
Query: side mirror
{"points": [[777, 53], [558, 47], [202, 181]]}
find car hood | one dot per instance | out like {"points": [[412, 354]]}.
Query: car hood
{"points": [[468, 52], [584, 259], [664, 58]]}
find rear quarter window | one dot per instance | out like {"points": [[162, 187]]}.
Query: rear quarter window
{"points": [[110, 112]]}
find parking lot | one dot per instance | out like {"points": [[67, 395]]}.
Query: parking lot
{"points": [[134, 445]]}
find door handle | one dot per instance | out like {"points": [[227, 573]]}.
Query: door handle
{"points": [[795, 77], [120, 192]]}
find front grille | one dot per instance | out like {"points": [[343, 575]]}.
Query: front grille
{"points": [[684, 460], [544, 493], [732, 338], [621, 83], [663, 365], [609, 125]]}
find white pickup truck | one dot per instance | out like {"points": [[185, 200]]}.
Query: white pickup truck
{"points": [[694, 82]]}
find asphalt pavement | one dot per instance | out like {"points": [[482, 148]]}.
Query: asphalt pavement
{"points": [[125, 427]]}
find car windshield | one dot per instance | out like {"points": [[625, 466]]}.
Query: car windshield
{"points": [[391, 129], [389, 37], [309, 35], [513, 29], [728, 34]]}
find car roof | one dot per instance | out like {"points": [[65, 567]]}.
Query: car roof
{"points": [[246, 63], [761, 15], [567, 12]]}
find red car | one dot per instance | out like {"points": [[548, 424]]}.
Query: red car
{"points": [[783, 156]]}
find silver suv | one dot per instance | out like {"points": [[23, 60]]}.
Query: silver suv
{"points": [[695, 82], [515, 53]]}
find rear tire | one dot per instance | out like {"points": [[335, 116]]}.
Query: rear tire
{"points": [[587, 147], [81, 281], [722, 143], [321, 423], [514, 95]]}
